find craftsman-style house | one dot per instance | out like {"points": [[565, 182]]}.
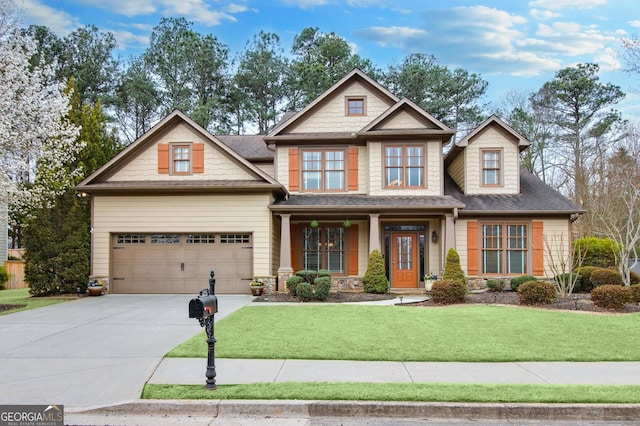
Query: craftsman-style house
{"points": [[356, 170]]}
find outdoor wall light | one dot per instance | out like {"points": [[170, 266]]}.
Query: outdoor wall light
{"points": [[434, 237]]}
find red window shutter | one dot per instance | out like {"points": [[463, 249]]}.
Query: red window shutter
{"points": [[163, 158], [353, 168], [352, 259], [537, 246], [198, 158], [472, 247], [294, 169], [296, 235]]}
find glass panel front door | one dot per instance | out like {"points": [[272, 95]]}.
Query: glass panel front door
{"points": [[404, 265]]}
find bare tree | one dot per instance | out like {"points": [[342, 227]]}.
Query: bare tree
{"points": [[563, 261]]}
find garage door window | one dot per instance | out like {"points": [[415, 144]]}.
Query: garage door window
{"points": [[165, 239], [235, 239], [132, 239], [201, 239]]}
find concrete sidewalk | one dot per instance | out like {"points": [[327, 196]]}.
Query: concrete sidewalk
{"points": [[243, 371]]}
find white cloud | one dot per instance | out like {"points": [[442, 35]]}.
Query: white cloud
{"points": [[125, 7], [306, 4], [567, 4], [543, 15], [36, 13], [635, 23], [608, 60], [392, 36], [127, 40]]}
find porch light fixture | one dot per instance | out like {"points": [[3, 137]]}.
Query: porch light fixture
{"points": [[434, 237], [346, 223], [314, 224]]}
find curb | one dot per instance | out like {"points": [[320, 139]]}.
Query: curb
{"points": [[314, 409]]}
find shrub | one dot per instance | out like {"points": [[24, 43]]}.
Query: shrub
{"points": [[452, 269], [635, 293], [517, 281], [448, 292], [293, 282], [610, 296], [599, 252], [605, 276], [585, 272], [4, 277], [304, 291], [324, 273], [634, 277], [307, 275], [322, 287], [495, 285], [537, 293], [375, 279], [565, 280]]}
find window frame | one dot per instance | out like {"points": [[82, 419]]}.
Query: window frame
{"points": [[484, 167], [405, 165], [323, 250], [189, 160], [323, 170], [505, 247], [348, 108]]}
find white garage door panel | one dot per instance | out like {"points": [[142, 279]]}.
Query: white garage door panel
{"points": [[159, 263]]}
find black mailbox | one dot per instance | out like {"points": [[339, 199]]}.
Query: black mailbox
{"points": [[204, 305]]}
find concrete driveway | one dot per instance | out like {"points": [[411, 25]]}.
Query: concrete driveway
{"points": [[93, 351]]}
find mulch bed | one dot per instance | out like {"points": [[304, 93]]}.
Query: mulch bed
{"points": [[575, 302], [10, 307]]}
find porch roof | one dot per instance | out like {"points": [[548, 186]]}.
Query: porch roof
{"points": [[364, 203]]}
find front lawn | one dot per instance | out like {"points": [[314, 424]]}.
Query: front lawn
{"points": [[484, 333], [20, 300]]}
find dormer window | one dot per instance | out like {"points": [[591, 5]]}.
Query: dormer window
{"points": [[491, 167], [355, 106]]}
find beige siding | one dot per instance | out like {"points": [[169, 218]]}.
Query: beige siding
{"points": [[557, 243], [491, 138], [363, 247], [282, 165], [433, 173], [456, 171], [331, 116], [217, 164], [403, 120], [461, 244], [269, 169], [182, 214], [434, 261]]}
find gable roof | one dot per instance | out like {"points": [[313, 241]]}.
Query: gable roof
{"points": [[535, 197], [432, 126], [356, 74], [459, 146], [98, 179]]}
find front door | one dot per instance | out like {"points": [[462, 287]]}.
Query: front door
{"points": [[404, 268]]}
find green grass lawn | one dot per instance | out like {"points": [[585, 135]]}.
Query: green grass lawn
{"points": [[434, 392], [484, 333], [22, 297]]}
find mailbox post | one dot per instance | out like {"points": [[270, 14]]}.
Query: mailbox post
{"points": [[203, 309]]}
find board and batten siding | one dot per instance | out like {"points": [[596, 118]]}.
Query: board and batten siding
{"points": [[224, 213], [331, 116], [492, 138], [144, 166]]}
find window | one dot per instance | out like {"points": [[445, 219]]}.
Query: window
{"points": [[132, 239], [324, 248], [201, 239], [404, 166], [165, 239], [323, 170], [355, 107], [504, 249], [491, 168], [181, 159], [235, 238]]}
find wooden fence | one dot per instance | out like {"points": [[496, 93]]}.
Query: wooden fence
{"points": [[15, 268]]}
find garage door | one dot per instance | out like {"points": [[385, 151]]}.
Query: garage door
{"points": [[180, 263]]}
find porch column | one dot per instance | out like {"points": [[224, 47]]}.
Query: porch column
{"points": [[285, 271], [449, 232], [374, 233]]}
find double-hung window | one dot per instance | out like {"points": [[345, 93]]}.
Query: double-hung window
{"points": [[323, 170], [504, 248], [491, 162], [404, 166], [324, 248], [181, 155]]}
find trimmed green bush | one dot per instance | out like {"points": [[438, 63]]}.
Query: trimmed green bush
{"points": [[4, 277], [307, 275], [293, 282], [304, 291], [452, 269], [611, 296], [600, 252], [605, 276], [324, 273], [495, 285], [585, 284], [322, 287], [635, 293], [537, 293], [448, 292], [517, 281], [375, 279]]}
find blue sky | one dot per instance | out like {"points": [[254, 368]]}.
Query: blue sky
{"points": [[514, 45]]}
